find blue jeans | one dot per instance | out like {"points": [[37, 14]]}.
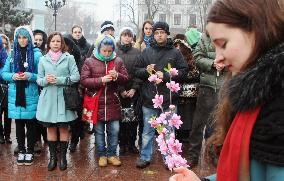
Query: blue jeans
{"points": [[112, 129], [148, 133]]}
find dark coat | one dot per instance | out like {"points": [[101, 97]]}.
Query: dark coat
{"points": [[129, 57], [263, 85], [161, 57], [92, 71], [83, 45], [74, 50]]}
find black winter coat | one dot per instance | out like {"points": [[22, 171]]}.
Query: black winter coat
{"points": [[83, 45], [263, 84], [161, 56], [129, 56]]}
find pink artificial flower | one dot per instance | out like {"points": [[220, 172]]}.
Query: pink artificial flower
{"points": [[154, 123], [172, 107], [158, 101], [173, 72], [174, 161], [163, 118], [175, 121], [174, 87], [174, 145], [170, 162], [154, 78], [162, 144]]}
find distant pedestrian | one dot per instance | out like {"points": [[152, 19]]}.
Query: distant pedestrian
{"points": [[5, 127], [146, 36], [128, 92], [107, 28]]}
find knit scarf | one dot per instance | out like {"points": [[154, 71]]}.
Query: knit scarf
{"points": [[55, 56], [148, 40], [234, 161], [21, 84], [102, 58]]}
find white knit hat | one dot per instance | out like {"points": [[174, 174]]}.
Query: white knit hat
{"points": [[126, 28]]}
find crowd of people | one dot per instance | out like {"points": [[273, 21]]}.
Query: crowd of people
{"points": [[231, 90]]}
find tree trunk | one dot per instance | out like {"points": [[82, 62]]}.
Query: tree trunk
{"points": [[3, 24]]}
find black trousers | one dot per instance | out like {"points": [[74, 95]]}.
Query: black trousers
{"points": [[5, 127], [127, 133], [40, 131], [21, 134], [206, 102], [77, 128]]}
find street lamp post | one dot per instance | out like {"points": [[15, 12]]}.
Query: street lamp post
{"points": [[55, 5]]}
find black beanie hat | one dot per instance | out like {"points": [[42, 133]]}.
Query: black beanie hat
{"points": [[161, 26], [106, 25]]}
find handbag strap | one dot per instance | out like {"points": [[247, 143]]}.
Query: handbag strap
{"points": [[68, 81]]}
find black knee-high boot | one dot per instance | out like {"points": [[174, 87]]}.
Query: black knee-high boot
{"points": [[63, 150], [52, 155]]}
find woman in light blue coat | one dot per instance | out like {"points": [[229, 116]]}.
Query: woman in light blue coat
{"points": [[20, 71], [53, 70]]}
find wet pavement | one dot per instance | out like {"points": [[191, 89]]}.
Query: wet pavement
{"points": [[83, 165]]}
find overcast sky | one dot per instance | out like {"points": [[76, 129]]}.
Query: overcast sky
{"points": [[104, 8]]}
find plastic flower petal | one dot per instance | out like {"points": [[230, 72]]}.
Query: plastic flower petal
{"points": [[174, 87], [158, 101], [173, 72], [175, 121], [153, 78]]}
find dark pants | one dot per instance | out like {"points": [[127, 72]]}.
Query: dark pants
{"points": [[186, 110], [21, 135], [128, 134], [206, 102], [5, 128], [40, 131], [77, 128]]}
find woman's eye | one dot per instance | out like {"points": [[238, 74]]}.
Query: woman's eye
{"points": [[224, 45]]}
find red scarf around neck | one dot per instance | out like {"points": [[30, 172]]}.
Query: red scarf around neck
{"points": [[234, 162]]}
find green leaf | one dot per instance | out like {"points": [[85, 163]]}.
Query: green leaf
{"points": [[160, 128], [169, 66]]}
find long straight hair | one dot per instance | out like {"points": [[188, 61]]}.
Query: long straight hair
{"points": [[141, 37]]}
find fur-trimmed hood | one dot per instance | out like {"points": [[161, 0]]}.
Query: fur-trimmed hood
{"points": [[260, 83], [28, 29]]}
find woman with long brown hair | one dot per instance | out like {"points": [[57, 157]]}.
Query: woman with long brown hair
{"points": [[146, 36], [249, 41]]}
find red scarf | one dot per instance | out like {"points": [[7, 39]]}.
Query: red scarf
{"points": [[234, 162]]}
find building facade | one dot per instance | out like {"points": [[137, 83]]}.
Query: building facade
{"points": [[38, 9], [179, 14]]}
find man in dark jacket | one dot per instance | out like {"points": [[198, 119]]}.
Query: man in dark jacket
{"points": [[211, 79], [154, 59]]}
